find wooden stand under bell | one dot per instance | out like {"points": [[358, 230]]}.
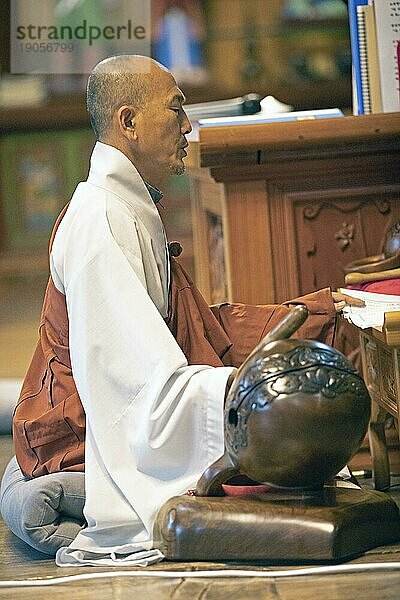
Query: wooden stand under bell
{"points": [[331, 524], [285, 391]]}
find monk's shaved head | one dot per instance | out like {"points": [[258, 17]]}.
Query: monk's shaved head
{"points": [[123, 79], [135, 105]]}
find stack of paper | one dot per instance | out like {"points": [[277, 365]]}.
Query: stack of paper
{"points": [[373, 313]]}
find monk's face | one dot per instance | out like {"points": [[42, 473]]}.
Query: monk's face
{"points": [[161, 128]]}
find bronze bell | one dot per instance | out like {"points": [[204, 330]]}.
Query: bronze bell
{"points": [[297, 410]]}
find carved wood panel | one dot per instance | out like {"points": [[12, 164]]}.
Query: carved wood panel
{"points": [[339, 227]]}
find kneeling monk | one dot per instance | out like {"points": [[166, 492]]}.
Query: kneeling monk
{"points": [[131, 361]]}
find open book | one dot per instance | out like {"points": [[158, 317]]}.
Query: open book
{"points": [[373, 313]]}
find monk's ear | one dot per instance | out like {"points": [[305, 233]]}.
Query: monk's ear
{"points": [[126, 122]]}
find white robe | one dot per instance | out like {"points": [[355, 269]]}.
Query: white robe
{"points": [[153, 422]]}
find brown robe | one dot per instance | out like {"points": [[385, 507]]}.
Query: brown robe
{"points": [[49, 420]]}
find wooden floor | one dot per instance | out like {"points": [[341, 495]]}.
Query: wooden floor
{"points": [[19, 562]]}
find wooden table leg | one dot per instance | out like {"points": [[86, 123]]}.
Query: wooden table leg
{"points": [[379, 451]]}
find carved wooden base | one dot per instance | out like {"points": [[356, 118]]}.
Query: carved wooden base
{"points": [[330, 524]]}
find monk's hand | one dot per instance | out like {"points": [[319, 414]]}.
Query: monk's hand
{"points": [[341, 300]]}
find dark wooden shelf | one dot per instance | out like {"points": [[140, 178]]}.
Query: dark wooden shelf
{"points": [[59, 113], [314, 24], [66, 112]]}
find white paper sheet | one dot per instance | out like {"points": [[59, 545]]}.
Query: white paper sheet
{"points": [[373, 313]]}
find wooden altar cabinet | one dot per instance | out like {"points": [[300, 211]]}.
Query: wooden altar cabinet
{"points": [[279, 208], [380, 355]]}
